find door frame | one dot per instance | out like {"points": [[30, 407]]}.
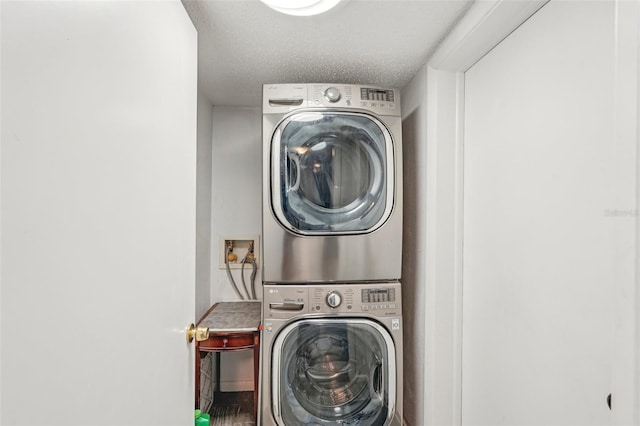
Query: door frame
{"points": [[483, 27]]}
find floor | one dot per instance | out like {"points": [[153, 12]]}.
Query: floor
{"points": [[232, 409]]}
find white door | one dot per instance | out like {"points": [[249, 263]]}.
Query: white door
{"points": [[98, 212], [548, 221]]}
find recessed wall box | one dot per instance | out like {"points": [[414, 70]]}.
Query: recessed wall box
{"points": [[241, 245]]}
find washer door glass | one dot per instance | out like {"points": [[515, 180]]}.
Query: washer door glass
{"points": [[333, 173], [334, 371]]}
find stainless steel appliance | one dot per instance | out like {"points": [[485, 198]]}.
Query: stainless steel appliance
{"points": [[331, 354], [332, 187]]}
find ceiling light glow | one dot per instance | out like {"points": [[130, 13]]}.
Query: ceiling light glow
{"points": [[301, 7]]}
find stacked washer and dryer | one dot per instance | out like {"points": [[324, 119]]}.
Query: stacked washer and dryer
{"points": [[332, 252]]}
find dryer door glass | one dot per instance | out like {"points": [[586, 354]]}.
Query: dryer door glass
{"points": [[333, 173], [335, 371]]}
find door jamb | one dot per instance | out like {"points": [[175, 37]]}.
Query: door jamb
{"points": [[484, 26]]}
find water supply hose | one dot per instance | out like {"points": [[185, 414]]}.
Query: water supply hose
{"points": [[233, 282], [244, 284], [254, 266]]}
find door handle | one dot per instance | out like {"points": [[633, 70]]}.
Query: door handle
{"points": [[295, 160], [198, 333]]}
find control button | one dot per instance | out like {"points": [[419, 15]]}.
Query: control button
{"points": [[332, 94], [383, 306], [365, 308], [374, 307], [392, 306], [317, 307], [334, 299], [349, 307]]}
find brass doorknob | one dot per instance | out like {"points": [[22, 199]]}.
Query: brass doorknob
{"points": [[198, 333]]}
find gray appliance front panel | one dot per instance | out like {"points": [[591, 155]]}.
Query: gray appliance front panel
{"points": [[376, 305], [327, 371], [292, 258]]}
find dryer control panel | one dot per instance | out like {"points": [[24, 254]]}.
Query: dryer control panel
{"points": [[286, 301], [279, 98]]}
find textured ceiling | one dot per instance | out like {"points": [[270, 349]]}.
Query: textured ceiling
{"points": [[243, 44]]}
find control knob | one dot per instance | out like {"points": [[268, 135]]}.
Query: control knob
{"points": [[334, 299], [332, 94]]}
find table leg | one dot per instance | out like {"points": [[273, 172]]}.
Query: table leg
{"points": [[197, 393], [218, 361], [256, 372]]}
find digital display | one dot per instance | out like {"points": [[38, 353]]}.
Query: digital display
{"points": [[370, 295], [368, 94]]}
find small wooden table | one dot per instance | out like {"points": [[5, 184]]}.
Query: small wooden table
{"points": [[233, 326]]}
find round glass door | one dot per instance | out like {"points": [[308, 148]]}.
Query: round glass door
{"points": [[334, 371], [333, 173]]}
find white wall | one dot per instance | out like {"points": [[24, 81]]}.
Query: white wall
{"points": [[539, 306], [432, 233], [203, 205], [413, 250], [483, 27], [236, 210], [428, 270], [540, 254]]}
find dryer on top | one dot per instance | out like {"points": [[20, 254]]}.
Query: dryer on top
{"points": [[332, 195]]}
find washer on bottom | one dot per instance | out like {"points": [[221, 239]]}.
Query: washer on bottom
{"points": [[331, 354]]}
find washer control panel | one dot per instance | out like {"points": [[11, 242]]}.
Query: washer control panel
{"points": [[380, 101], [282, 98], [288, 301]]}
